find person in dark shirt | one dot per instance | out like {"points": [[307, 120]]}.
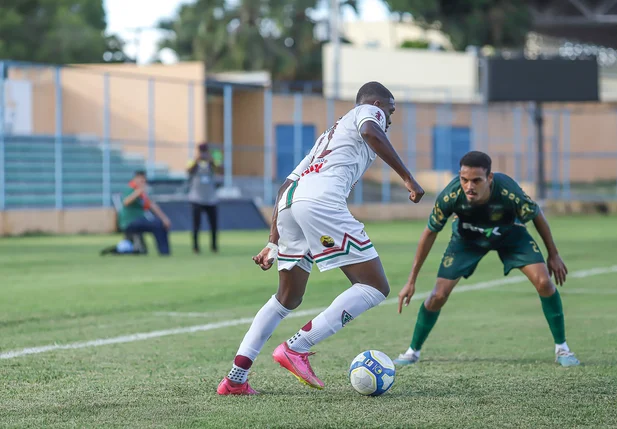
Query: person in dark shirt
{"points": [[490, 212], [202, 194]]}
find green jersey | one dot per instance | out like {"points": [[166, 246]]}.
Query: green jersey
{"points": [[507, 208]]}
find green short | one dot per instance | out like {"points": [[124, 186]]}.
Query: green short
{"points": [[461, 258]]}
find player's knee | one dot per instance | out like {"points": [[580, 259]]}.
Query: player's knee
{"points": [[384, 289], [289, 301], [438, 298], [544, 286]]}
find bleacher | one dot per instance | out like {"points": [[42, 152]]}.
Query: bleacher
{"points": [[30, 171]]}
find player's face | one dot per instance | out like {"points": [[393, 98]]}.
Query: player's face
{"points": [[476, 184], [388, 106], [140, 181]]}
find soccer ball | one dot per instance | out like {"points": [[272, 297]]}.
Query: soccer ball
{"points": [[371, 373]]}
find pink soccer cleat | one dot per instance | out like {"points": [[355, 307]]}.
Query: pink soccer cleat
{"points": [[298, 364], [228, 387]]}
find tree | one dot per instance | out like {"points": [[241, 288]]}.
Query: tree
{"points": [[56, 31], [499, 23], [274, 35]]}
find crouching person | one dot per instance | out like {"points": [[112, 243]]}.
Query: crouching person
{"points": [[135, 216]]}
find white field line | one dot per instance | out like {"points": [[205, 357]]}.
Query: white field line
{"points": [[245, 321], [183, 314]]}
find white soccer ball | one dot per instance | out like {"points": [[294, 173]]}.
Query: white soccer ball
{"points": [[372, 373]]}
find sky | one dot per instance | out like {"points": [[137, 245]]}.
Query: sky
{"points": [[123, 17]]}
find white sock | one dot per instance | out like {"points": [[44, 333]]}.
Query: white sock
{"points": [[237, 374], [563, 347], [265, 322], [411, 351], [346, 307]]}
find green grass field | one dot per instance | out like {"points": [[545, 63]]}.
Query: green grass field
{"points": [[489, 362]]}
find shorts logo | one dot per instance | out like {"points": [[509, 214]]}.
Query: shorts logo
{"points": [[345, 318], [448, 261], [327, 241]]}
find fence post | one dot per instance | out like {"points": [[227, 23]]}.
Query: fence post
{"points": [[298, 152], [58, 139], [228, 137], [151, 128], [330, 112], [410, 134], [268, 146], [530, 147], [565, 124], [106, 143], [555, 155], [191, 121], [2, 148], [517, 123]]}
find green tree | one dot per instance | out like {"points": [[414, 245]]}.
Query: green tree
{"points": [[274, 35], [56, 31], [499, 23]]}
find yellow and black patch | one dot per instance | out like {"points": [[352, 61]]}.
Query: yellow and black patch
{"points": [[327, 241]]}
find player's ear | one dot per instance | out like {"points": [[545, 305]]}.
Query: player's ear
{"points": [[490, 177]]}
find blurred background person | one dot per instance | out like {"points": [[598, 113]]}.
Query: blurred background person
{"points": [[202, 194], [135, 216]]}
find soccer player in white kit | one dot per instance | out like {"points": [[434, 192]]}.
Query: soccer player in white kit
{"points": [[312, 224]]}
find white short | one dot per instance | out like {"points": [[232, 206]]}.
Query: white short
{"points": [[330, 237]]}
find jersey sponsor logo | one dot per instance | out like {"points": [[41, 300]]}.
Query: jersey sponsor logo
{"points": [[327, 241], [314, 168], [486, 231], [448, 261], [345, 318], [496, 216]]}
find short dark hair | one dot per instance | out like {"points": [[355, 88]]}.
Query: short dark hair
{"points": [[477, 159], [140, 173], [372, 90]]}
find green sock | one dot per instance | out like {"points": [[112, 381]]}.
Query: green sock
{"points": [[424, 324], [553, 311]]}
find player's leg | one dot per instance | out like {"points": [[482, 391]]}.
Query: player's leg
{"points": [[337, 240], [212, 212], [460, 260], [521, 251], [196, 212], [294, 270]]}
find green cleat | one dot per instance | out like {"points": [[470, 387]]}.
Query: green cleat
{"points": [[566, 358]]}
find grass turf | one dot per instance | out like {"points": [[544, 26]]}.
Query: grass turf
{"points": [[488, 363]]}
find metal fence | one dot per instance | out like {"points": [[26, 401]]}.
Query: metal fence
{"points": [[73, 136]]}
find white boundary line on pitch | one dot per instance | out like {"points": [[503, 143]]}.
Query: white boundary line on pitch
{"points": [[245, 321]]}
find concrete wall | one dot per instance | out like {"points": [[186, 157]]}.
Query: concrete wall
{"points": [[92, 221], [83, 102], [411, 74], [592, 129]]}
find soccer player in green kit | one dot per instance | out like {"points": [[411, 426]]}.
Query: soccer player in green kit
{"points": [[490, 211]]}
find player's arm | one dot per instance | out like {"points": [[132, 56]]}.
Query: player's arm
{"points": [[154, 207], [266, 257], [377, 139], [128, 200], [427, 239], [554, 262], [444, 207], [528, 210]]}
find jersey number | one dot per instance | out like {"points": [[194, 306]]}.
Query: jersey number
{"points": [[534, 246]]}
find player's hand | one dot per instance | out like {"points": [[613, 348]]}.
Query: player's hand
{"points": [[404, 296], [558, 268], [265, 258], [415, 190]]}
